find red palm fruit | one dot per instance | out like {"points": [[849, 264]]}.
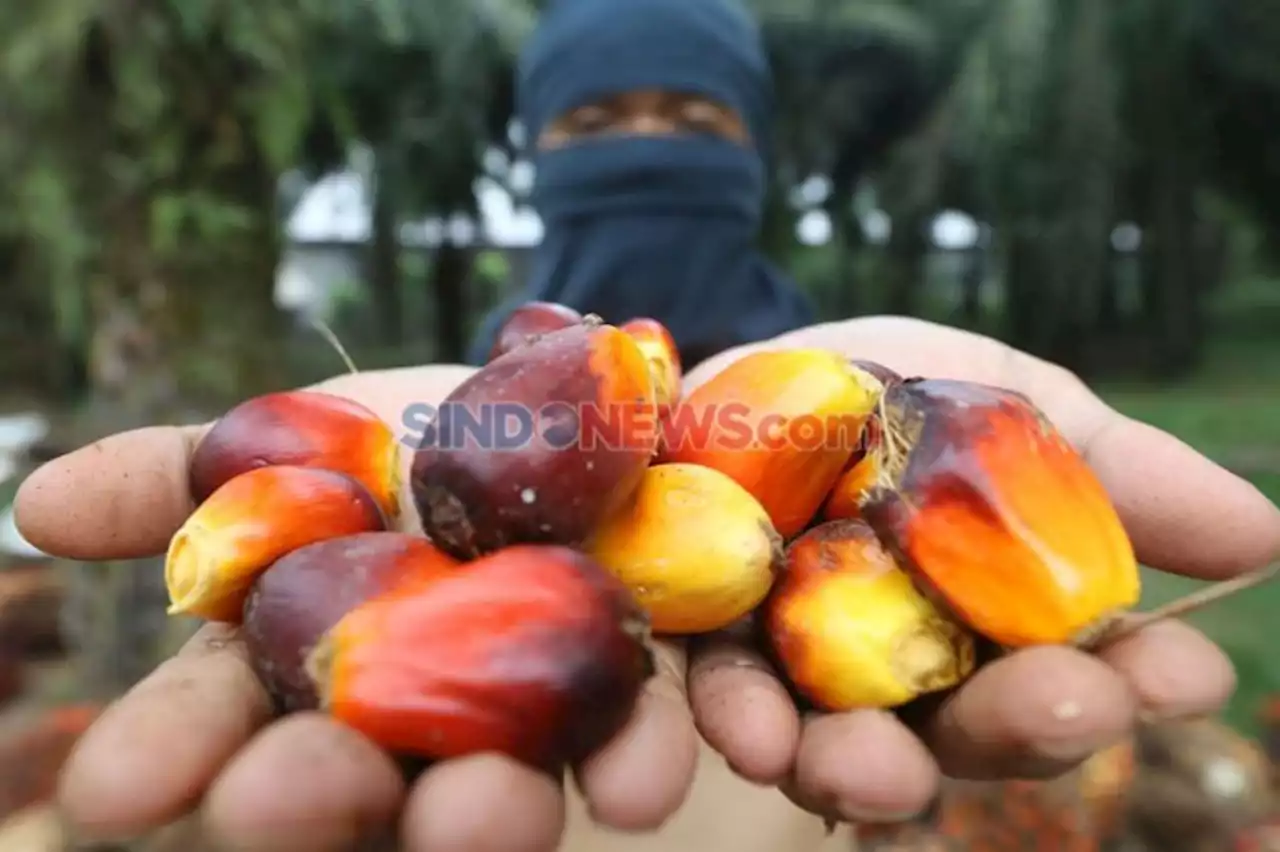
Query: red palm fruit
{"points": [[252, 521], [300, 428], [660, 351], [583, 401], [33, 749], [530, 321], [306, 592], [533, 651], [998, 516], [781, 423]]}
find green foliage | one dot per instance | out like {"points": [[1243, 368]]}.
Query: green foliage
{"points": [[415, 81]]}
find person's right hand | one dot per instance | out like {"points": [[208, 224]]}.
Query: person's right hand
{"points": [[197, 734], [1037, 712]]}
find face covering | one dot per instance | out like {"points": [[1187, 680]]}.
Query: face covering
{"points": [[662, 227]]}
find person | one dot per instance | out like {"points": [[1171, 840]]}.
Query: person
{"points": [[651, 122], [199, 729]]}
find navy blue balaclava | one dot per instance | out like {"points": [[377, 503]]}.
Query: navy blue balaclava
{"points": [[663, 227]]}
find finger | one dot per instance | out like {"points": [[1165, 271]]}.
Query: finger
{"points": [[1184, 514], [1174, 671], [864, 766], [641, 778], [485, 803], [1035, 713], [120, 498], [342, 793], [742, 709], [153, 754]]}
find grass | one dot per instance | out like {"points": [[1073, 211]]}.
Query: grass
{"points": [[1231, 412]]}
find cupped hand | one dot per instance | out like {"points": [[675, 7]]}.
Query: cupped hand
{"points": [[199, 728], [1034, 713]]}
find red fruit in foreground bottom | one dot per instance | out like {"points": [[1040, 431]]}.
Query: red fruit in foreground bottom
{"points": [[307, 592], [533, 651]]}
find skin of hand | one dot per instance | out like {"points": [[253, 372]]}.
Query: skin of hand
{"points": [[198, 732]]}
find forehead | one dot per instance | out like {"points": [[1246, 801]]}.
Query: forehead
{"points": [[556, 91], [649, 98]]}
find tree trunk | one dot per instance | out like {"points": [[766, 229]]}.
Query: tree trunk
{"points": [[846, 299], [1167, 125], [1023, 274], [384, 258], [1172, 292], [906, 254], [450, 269], [1085, 136], [181, 282], [1110, 319], [971, 281]]}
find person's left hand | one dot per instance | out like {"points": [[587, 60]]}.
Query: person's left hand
{"points": [[1037, 712]]}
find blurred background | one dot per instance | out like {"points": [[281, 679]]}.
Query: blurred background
{"points": [[187, 185]]}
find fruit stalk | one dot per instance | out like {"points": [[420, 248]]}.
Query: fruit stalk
{"points": [[1181, 607]]}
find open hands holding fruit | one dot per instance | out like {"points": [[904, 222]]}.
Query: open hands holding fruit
{"points": [[503, 654]]}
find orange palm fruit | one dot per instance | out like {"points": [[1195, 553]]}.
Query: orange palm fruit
{"points": [[530, 321], [860, 474], [533, 651], [694, 547], [300, 428], [783, 424], [998, 516], [660, 351], [306, 592], [249, 523], [850, 629], [579, 407], [845, 500]]}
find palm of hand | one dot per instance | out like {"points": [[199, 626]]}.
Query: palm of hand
{"points": [[199, 728]]}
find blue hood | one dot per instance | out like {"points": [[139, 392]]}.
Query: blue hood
{"points": [[642, 226]]}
